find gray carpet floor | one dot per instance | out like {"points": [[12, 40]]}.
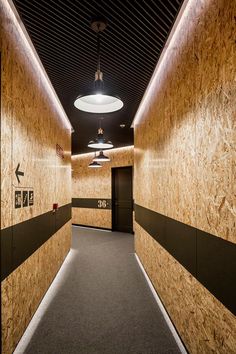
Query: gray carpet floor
{"points": [[104, 304]]}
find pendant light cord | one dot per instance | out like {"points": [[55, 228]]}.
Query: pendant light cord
{"points": [[98, 75], [98, 50]]}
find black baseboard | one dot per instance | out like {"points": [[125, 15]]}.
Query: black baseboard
{"points": [[125, 232], [92, 227]]}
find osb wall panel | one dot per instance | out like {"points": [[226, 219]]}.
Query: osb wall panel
{"points": [[6, 313], [30, 130], [31, 126], [216, 122], [85, 180], [185, 144], [7, 133], [63, 168], [185, 165], [92, 217], [23, 289], [203, 323], [96, 183]]}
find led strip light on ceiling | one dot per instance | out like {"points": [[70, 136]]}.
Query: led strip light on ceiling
{"points": [[88, 154], [14, 16], [169, 46]]}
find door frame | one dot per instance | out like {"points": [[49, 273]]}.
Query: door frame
{"points": [[113, 193]]}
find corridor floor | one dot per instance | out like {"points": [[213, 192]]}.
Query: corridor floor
{"points": [[101, 303]]}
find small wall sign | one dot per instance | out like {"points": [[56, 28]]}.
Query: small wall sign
{"points": [[60, 151], [102, 203], [18, 173], [24, 198], [31, 198], [18, 199]]}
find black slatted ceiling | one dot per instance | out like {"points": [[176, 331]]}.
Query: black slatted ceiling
{"points": [[130, 47]]}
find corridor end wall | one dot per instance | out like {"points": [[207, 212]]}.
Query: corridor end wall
{"points": [[91, 185], [185, 178], [35, 173]]}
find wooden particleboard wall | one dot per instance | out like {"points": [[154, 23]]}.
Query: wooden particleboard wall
{"points": [[185, 165], [96, 183], [31, 127]]}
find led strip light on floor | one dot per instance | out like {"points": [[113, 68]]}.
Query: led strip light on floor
{"points": [[45, 304], [163, 310], [52, 291]]}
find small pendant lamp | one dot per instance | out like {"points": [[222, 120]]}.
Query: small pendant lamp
{"points": [[100, 142], [98, 100], [94, 164], [101, 157]]}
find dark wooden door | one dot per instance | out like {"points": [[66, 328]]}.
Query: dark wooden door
{"points": [[122, 199]]}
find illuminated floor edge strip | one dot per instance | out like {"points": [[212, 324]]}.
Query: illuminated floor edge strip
{"points": [[162, 308], [45, 303], [55, 286]]}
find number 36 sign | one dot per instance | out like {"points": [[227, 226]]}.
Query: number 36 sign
{"points": [[102, 203]]}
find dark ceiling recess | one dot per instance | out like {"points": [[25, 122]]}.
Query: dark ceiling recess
{"points": [[130, 47]]}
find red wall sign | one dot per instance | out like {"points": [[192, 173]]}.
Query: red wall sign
{"points": [[60, 151]]}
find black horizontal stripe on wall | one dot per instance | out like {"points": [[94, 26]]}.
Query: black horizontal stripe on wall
{"points": [[92, 203], [62, 216], [171, 234], [216, 267], [20, 241], [6, 252], [210, 259]]}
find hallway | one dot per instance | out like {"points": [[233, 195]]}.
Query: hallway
{"points": [[118, 117], [102, 303]]}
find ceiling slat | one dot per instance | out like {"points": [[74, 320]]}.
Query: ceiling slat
{"points": [[130, 48]]}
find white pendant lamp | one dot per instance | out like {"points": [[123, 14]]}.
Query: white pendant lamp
{"points": [[94, 164], [101, 157], [98, 100], [100, 142]]}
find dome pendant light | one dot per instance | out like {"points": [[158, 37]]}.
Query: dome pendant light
{"points": [[101, 157], [94, 164], [100, 142], [98, 100]]}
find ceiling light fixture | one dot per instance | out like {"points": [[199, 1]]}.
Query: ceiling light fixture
{"points": [[98, 100], [100, 142], [94, 164], [101, 157]]}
